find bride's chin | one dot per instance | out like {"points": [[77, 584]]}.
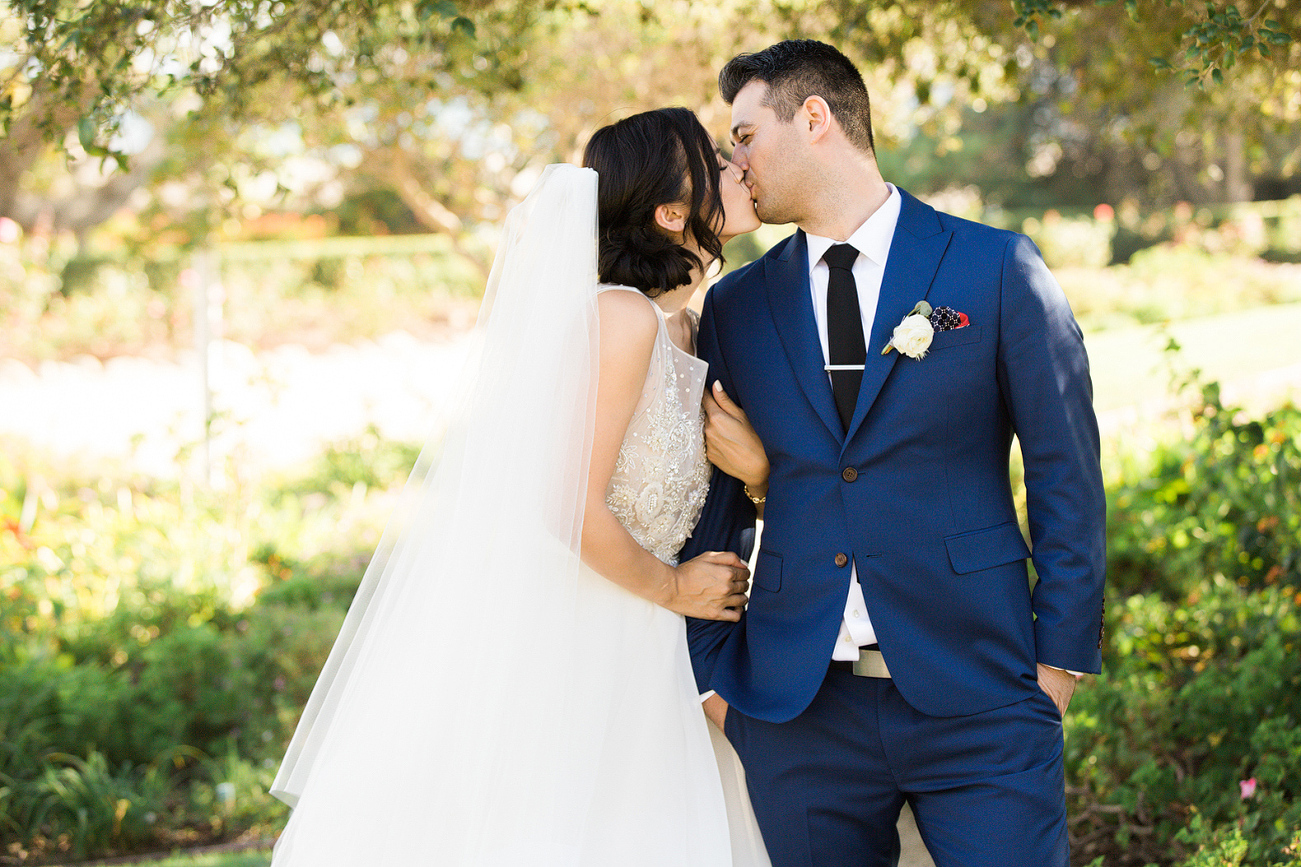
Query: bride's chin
{"points": [[723, 239]]}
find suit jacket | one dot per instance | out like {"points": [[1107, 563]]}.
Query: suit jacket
{"points": [[917, 492]]}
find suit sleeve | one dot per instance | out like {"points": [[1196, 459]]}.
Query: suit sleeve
{"points": [[727, 520], [1043, 375]]}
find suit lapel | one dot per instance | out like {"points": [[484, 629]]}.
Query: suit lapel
{"points": [[791, 304], [915, 253]]}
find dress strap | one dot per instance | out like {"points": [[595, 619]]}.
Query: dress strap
{"points": [[606, 287]]}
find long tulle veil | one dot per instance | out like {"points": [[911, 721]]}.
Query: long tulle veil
{"points": [[465, 618]]}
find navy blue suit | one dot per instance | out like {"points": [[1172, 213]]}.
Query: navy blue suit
{"points": [[927, 517]]}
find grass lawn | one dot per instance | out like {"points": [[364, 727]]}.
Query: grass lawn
{"points": [[1128, 366], [233, 859], [247, 858]]}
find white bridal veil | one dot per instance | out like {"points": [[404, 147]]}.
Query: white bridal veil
{"points": [[465, 618], [490, 701]]}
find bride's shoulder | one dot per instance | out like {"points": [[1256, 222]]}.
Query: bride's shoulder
{"points": [[627, 314], [629, 328]]}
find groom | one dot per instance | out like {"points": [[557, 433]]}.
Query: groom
{"points": [[893, 650]]}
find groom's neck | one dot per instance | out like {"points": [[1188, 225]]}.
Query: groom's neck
{"points": [[851, 191]]}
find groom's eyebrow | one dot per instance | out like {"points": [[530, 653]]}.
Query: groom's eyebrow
{"points": [[736, 130]]}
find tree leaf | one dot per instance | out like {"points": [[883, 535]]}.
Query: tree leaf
{"points": [[86, 133]]}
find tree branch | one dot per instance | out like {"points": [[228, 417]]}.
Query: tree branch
{"points": [[1259, 11]]}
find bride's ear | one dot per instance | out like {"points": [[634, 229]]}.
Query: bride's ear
{"points": [[671, 218]]}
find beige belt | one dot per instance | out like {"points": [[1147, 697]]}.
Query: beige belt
{"points": [[870, 663]]}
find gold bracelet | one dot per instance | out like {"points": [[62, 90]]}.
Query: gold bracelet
{"points": [[758, 501]]}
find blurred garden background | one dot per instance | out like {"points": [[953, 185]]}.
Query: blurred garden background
{"points": [[241, 242]]}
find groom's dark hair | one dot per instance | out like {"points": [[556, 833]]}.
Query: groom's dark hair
{"points": [[796, 69]]}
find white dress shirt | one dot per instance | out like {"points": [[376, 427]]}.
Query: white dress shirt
{"points": [[872, 240]]}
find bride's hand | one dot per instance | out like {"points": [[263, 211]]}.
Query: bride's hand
{"points": [[731, 443], [710, 587]]}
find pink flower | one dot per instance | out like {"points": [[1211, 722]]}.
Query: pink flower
{"points": [[1248, 787]]}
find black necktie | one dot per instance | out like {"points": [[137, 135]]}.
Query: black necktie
{"points": [[845, 343]]}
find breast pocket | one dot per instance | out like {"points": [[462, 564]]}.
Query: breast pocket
{"points": [[955, 337], [768, 571]]}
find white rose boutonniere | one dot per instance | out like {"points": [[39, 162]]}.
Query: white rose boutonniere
{"points": [[913, 335]]}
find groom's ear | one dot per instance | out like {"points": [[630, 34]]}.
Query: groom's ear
{"points": [[817, 115], [671, 218]]}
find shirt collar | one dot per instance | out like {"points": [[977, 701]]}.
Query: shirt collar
{"points": [[872, 239]]}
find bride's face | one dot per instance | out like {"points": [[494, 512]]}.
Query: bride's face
{"points": [[738, 208]]}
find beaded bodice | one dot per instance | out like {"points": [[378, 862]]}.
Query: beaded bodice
{"points": [[662, 474]]}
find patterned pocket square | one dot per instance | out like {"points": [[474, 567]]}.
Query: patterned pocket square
{"points": [[946, 319]]}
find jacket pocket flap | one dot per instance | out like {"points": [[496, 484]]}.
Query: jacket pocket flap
{"points": [[985, 549]]}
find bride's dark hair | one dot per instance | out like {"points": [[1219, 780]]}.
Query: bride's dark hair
{"points": [[650, 159]]}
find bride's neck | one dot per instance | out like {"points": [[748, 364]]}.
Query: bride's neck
{"points": [[675, 301]]}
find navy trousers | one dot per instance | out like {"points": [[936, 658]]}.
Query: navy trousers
{"points": [[827, 787]]}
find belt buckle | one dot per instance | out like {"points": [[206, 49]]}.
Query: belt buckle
{"points": [[871, 663]]}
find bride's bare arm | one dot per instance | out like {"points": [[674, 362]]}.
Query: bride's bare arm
{"points": [[712, 585]]}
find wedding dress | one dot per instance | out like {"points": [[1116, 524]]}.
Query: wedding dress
{"points": [[491, 700]]}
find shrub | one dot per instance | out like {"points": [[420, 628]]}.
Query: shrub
{"points": [[1080, 242], [1187, 750], [1224, 501], [146, 695], [56, 304], [1198, 697]]}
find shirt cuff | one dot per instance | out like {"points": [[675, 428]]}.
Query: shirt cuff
{"points": [[1054, 668]]}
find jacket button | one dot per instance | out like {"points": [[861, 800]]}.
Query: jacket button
{"points": [[841, 559], [849, 474]]}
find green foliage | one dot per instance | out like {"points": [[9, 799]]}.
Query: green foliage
{"points": [[1187, 750], [83, 64], [1199, 695], [1224, 502], [317, 293], [1213, 36], [155, 651], [1216, 42], [1077, 242], [366, 460]]}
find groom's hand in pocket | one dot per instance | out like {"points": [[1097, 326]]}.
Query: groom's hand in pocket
{"points": [[1058, 684]]}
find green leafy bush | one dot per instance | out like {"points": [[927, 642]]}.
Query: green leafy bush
{"points": [[1226, 500], [1187, 750], [1199, 697], [56, 303], [1080, 242], [158, 646]]}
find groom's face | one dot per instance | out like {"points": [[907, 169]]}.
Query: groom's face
{"points": [[769, 152]]}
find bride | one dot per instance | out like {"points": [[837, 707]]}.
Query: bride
{"points": [[512, 684]]}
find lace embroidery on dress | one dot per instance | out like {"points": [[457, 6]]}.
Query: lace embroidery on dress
{"points": [[661, 477]]}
